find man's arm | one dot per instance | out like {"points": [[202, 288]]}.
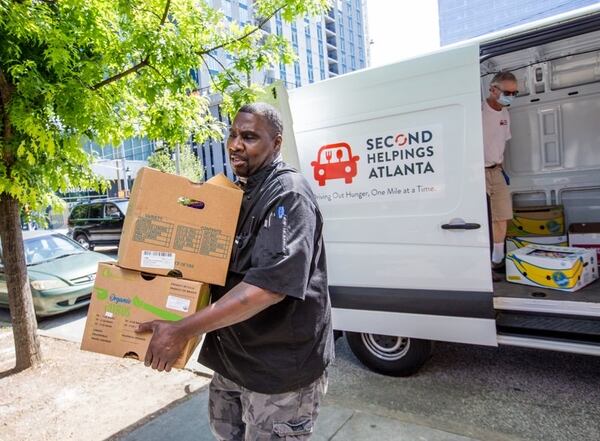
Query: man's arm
{"points": [[169, 338]]}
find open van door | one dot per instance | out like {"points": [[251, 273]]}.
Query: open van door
{"points": [[394, 155]]}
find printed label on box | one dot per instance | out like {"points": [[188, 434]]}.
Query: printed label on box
{"points": [[153, 230], [158, 259], [178, 304]]}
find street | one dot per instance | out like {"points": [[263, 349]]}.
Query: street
{"points": [[479, 392]]}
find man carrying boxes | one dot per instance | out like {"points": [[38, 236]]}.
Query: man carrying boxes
{"points": [[269, 335]]}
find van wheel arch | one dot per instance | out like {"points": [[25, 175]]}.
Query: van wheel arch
{"points": [[390, 355]]}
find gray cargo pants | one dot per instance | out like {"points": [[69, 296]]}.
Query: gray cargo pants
{"points": [[238, 414]]}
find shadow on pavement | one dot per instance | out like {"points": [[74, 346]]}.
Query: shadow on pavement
{"points": [[183, 419]]}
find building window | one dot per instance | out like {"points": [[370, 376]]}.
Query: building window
{"points": [[244, 14], [319, 32], [322, 67], [282, 71], [353, 62], [227, 9], [297, 74]]}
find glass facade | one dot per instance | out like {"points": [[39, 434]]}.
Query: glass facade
{"points": [[463, 19]]}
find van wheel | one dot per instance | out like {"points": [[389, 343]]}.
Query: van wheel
{"points": [[84, 241], [390, 355]]}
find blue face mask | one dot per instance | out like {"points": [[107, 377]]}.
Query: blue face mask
{"points": [[506, 100]]}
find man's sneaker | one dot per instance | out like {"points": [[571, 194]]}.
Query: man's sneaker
{"points": [[496, 277], [499, 267]]}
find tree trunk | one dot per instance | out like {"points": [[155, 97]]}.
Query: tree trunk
{"points": [[22, 314]]}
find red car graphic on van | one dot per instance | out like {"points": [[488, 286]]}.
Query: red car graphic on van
{"points": [[335, 161]]}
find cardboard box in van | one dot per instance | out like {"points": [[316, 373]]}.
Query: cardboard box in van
{"points": [[122, 299], [561, 268], [177, 227], [537, 221], [585, 236], [514, 243]]}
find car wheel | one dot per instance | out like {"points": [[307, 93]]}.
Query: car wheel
{"points": [[84, 241], [390, 355]]}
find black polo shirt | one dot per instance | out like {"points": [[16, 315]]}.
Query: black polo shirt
{"points": [[279, 247]]}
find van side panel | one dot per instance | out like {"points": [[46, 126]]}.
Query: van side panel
{"points": [[395, 158]]}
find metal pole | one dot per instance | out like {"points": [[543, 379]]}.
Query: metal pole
{"points": [[118, 177], [124, 166], [177, 160]]}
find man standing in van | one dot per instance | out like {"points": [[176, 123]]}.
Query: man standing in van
{"points": [[269, 336], [496, 131]]}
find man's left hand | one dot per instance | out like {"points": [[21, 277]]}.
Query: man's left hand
{"points": [[166, 345]]}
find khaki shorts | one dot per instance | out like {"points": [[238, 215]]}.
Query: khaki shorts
{"points": [[497, 190]]}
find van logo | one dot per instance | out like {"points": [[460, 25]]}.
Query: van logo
{"points": [[335, 161]]}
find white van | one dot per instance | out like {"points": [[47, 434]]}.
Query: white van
{"points": [[394, 155]]}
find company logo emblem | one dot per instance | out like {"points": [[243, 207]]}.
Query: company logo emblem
{"points": [[560, 279], [335, 161]]}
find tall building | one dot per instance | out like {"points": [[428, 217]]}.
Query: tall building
{"points": [[464, 19], [325, 46]]}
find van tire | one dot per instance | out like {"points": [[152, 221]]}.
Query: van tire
{"points": [[390, 355], [82, 239]]}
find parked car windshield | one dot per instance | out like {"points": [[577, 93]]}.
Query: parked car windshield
{"points": [[45, 248]]}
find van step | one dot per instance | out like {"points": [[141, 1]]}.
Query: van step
{"points": [[587, 329]]}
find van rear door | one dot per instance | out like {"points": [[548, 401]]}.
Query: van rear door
{"points": [[394, 155]]}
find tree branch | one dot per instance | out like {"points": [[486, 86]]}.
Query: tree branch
{"points": [[158, 73], [138, 66], [6, 90], [120, 75], [207, 69], [227, 43], [231, 77], [165, 13]]}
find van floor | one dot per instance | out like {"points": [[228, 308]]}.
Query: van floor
{"points": [[589, 294]]}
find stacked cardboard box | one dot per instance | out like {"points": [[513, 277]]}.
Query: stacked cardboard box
{"points": [[585, 236], [537, 221], [560, 268], [177, 238], [543, 225]]}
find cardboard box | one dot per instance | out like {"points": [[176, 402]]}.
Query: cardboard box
{"points": [[585, 236], [561, 268], [514, 243], [163, 235], [537, 221], [122, 299]]}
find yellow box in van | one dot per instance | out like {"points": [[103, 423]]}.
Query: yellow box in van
{"points": [[561, 268], [537, 221]]}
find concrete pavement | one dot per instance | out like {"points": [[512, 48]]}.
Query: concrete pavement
{"points": [[188, 420]]}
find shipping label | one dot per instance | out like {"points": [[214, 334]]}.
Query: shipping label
{"points": [[157, 259]]}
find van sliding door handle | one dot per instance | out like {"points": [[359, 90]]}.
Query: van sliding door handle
{"points": [[460, 226]]}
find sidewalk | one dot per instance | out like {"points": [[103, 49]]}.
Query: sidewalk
{"points": [[188, 421]]}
